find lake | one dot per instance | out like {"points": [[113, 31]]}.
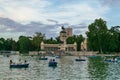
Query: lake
{"points": [[67, 69]]}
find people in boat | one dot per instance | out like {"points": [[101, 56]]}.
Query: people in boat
{"points": [[11, 61], [25, 61], [53, 60], [114, 59]]}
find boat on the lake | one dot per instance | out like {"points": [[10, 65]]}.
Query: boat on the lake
{"points": [[80, 59], [52, 63], [19, 65], [43, 58], [110, 60], [113, 59], [25, 65]]}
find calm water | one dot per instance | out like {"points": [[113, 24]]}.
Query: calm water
{"points": [[68, 69]]}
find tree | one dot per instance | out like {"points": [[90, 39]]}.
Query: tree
{"points": [[97, 35], [58, 39], [37, 39], [75, 38], [115, 38], [71, 40], [10, 44], [79, 40], [24, 44], [2, 41], [50, 41]]}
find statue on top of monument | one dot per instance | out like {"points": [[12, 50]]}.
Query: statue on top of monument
{"points": [[63, 28]]}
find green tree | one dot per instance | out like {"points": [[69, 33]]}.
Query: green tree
{"points": [[115, 38], [58, 39], [50, 41], [79, 39], [71, 40], [75, 38], [24, 44], [2, 41], [97, 35], [37, 39], [10, 44]]}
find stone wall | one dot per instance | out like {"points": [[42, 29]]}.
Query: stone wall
{"points": [[76, 53]]}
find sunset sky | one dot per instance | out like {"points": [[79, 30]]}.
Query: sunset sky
{"points": [[47, 16]]}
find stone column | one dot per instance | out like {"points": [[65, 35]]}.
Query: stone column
{"points": [[42, 46]]}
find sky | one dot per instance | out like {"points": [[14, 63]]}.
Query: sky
{"points": [[25, 17]]}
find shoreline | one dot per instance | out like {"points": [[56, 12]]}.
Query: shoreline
{"points": [[76, 53], [67, 53]]}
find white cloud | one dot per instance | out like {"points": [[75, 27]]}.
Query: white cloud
{"points": [[24, 11], [48, 12], [37, 10], [10, 29], [2, 26], [77, 13]]}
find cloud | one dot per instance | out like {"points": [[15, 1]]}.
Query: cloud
{"points": [[24, 11], [8, 26], [54, 21], [115, 3], [46, 16], [80, 29], [45, 10], [76, 13]]}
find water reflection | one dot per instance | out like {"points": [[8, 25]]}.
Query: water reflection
{"points": [[97, 69]]}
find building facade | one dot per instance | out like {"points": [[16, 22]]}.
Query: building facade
{"points": [[84, 45], [64, 34]]}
